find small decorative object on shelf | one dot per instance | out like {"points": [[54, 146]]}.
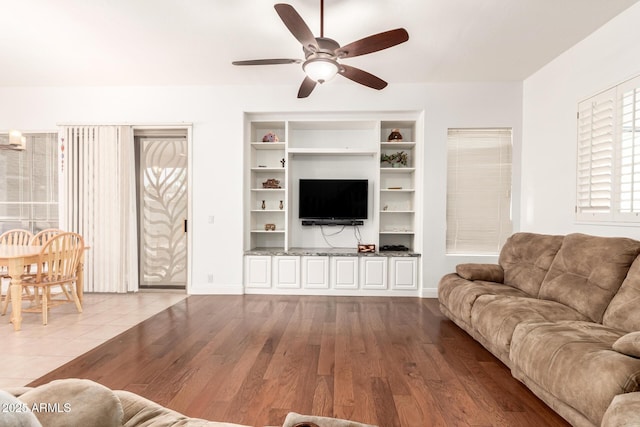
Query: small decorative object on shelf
{"points": [[271, 183], [282, 162], [395, 136], [281, 205], [270, 137], [263, 205], [385, 208], [269, 227], [395, 160], [366, 248]]}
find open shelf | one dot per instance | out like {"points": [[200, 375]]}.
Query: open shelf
{"points": [[332, 151], [326, 145]]}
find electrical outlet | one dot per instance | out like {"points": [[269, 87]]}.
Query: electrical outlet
{"points": [[211, 218], [210, 277]]}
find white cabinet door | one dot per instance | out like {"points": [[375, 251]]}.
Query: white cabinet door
{"points": [[373, 272], [286, 272], [257, 271], [344, 272], [315, 272], [403, 273]]}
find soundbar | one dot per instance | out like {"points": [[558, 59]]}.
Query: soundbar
{"points": [[332, 222]]}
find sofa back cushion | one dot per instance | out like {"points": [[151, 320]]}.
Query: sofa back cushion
{"points": [[526, 258], [588, 271], [624, 310]]}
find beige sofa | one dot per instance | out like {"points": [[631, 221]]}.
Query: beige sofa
{"points": [[563, 313], [80, 402]]}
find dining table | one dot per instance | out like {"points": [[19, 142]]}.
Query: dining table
{"points": [[15, 257]]}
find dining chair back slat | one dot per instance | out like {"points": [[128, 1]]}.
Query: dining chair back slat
{"points": [[42, 237], [16, 237]]}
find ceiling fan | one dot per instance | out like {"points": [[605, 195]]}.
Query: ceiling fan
{"points": [[322, 53]]}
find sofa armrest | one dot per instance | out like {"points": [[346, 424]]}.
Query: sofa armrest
{"points": [[628, 344], [141, 411], [624, 411], [293, 420], [485, 272]]}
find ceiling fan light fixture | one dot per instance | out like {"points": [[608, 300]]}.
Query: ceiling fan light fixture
{"points": [[320, 69]]}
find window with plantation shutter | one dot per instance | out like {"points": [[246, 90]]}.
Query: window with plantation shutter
{"points": [[608, 164], [478, 190]]}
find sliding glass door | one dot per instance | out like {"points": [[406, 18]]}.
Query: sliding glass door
{"points": [[162, 208]]}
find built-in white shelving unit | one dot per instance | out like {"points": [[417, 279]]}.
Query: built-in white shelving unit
{"points": [[398, 185], [264, 204], [282, 255]]}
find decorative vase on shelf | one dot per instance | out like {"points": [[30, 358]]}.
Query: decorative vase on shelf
{"points": [[263, 206], [270, 137], [281, 205], [395, 136]]}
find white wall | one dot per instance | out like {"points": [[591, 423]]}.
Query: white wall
{"points": [[217, 114], [604, 59]]}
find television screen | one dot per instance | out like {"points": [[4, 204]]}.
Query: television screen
{"points": [[333, 199]]}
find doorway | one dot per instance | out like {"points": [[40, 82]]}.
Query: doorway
{"points": [[162, 197]]}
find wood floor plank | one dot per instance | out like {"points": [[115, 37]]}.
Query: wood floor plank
{"points": [[394, 362]]}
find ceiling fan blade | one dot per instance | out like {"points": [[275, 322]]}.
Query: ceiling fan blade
{"points": [[306, 87], [296, 25], [373, 43], [362, 77], [267, 61]]}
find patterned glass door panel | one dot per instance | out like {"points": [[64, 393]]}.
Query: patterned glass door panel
{"points": [[163, 212]]}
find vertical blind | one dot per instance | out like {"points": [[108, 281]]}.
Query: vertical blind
{"points": [[608, 162], [478, 190], [99, 203]]}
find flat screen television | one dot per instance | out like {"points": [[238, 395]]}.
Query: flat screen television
{"points": [[333, 200]]}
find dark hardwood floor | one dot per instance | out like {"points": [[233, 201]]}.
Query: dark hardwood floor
{"points": [[251, 359]]}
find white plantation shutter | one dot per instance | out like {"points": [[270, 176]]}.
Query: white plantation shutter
{"points": [[608, 165], [629, 156], [595, 155], [478, 190]]}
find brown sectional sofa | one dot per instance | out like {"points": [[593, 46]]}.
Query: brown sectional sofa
{"points": [[563, 313]]}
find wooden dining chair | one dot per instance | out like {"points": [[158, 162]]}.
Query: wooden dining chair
{"points": [[58, 263], [42, 237]]}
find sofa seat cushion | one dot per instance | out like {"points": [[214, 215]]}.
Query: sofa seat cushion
{"points": [[495, 317], [588, 271], [526, 258], [624, 310], [458, 294], [575, 363]]}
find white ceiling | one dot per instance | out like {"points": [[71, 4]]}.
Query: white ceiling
{"points": [[192, 42]]}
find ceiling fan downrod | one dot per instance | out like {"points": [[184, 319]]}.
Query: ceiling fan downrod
{"points": [[321, 18]]}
